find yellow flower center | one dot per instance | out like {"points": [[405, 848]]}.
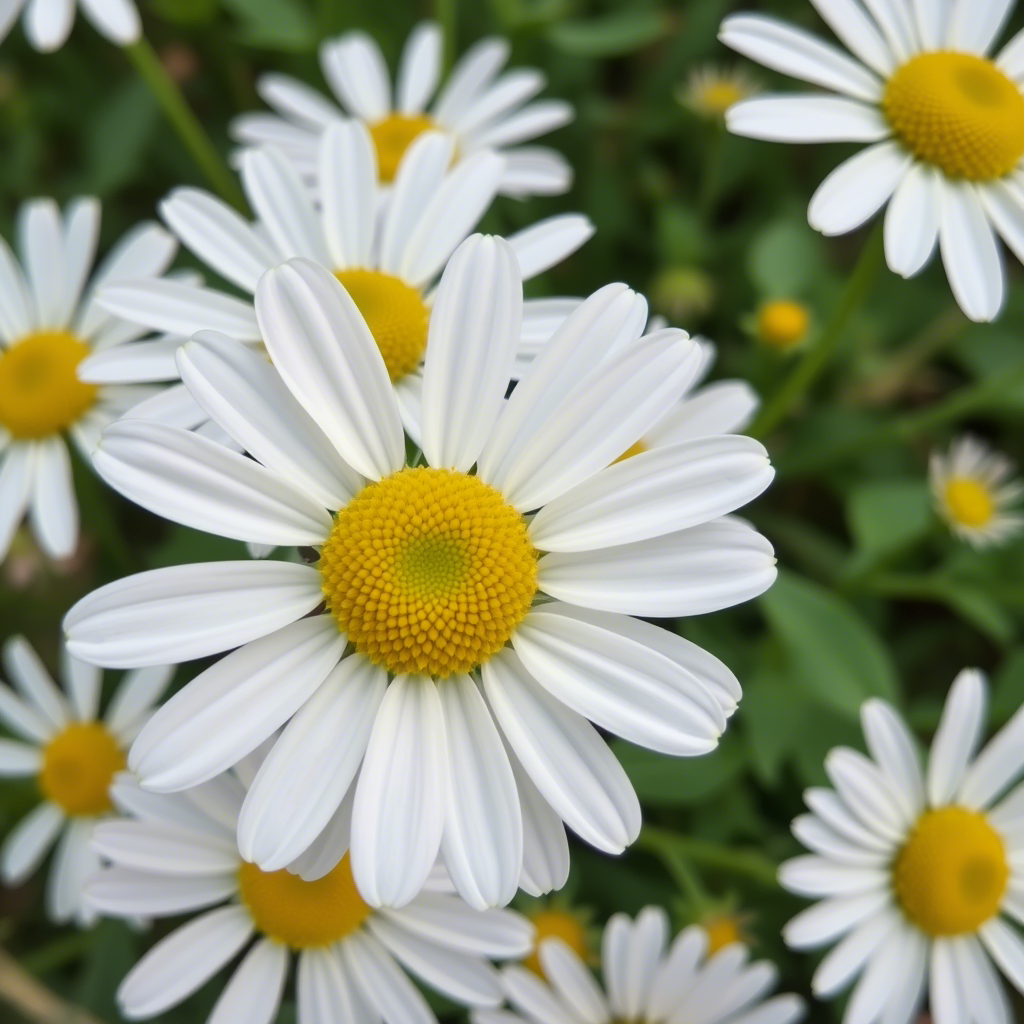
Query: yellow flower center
{"points": [[969, 501], [633, 449], [78, 766], [717, 97], [392, 137], [303, 914], [396, 315], [428, 571], [722, 931], [950, 875], [958, 112], [782, 323], [40, 393], [556, 924]]}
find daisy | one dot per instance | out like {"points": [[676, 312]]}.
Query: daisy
{"points": [[478, 108], [973, 492], [921, 868], [944, 124], [464, 645], [710, 90], [48, 22], [388, 256], [73, 756], [646, 981], [782, 324], [555, 919], [49, 322], [174, 855]]}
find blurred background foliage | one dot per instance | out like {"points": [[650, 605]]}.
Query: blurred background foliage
{"points": [[874, 598]]}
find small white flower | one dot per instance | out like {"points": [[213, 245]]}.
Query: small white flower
{"points": [[478, 107], [49, 322], [74, 756], [646, 981], [974, 492], [944, 124], [919, 870], [48, 22], [174, 855], [467, 643], [711, 90]]}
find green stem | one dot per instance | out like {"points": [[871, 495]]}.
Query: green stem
{"points": [[185, 123], [687, 880], [817, 356], [748, 863], [714, 155], [445, 11]]}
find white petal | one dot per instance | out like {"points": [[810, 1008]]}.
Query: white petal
{"points": [[829, 920], [932, 18], [164, 849], [858, 32], [677, 971], [19, 759], [857, 189], [28, 842], [545, 844], [74, 861], [545, 244], [325, 853], [253, 994], [725, 407], [30, 677], [975, 24], [912, 221], [131, 799], [816, 876], [982, 989], [1011, 57], [997, 766], [140, 363], [17, 312], [875, 988], [867, 792], [847, 959], [121, 892], [969, 252], [473, 72], [1007, 949], [957, 737], [895, 749], [311, 766], [835, 813], [527, 123], [326, 990], [510, 91], [297, 101], [17, 474], [420, 68], [474, 329], [383, 983], [535, 171], [40, 239], [22, 719], [895, 19], [806, 118], [528, 994], [946, 996], [355, 69], [1004, 205], [348, 193], [323, 349], [234, 705], [118, 20], [571, 979], [53, 512], [81, 231]]}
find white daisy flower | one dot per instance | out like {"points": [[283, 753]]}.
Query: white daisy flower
{"points": [[920, 868], [710, 90], [974, 492], [48, 22], [944, 124], [388, 256], [646, 981], [49, 322], [73, 754], [176, 855], [456, 625], [477, 107]]}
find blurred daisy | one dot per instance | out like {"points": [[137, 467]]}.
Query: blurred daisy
{"points": [[711, 90], [554, 919], [73, 756], [782, 324], [921, 868], [175, 855], [477, 107], [645, 980], [974, 492], [388, 256], [49, 322], [725, 928], [944, 122], [48, 22], [449, 614]]}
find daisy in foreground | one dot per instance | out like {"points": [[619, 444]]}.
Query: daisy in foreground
{"points": [[177, 854], [944, 124], [48, 24], [477, 107], [645, 982], [49, 322], [457, 646], [388, 256], [920, 871], [974, 492], [73, 755]]}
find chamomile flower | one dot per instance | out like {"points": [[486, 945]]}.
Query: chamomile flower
{"points": [[49, 322], [974, 492], [711, 90], [556, 919], [174, 855], [48, 23], [918, 869], [944, 123], [388, 256], [782, 324], [477, 107], [463, 647], [646, 981], [73, 755]]}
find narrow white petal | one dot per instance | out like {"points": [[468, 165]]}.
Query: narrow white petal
{"points": [[867, 792], [324, 854], [74, 861], [420, 68], [677, 971], [545, 244], [118, 20], [535, 171], [527, 123], [858, 33], [847, 959], [545, 844], [1011, 57], [382, 982], [895, 749], [17, 312], [297, 101], [983, 991], [1007, 949], [81, 231], [807, 118], [253, 995], [969, 252], [957, 737], [140, 363], [326, 991], [19, 759], [40, 239], [912, 221], [474, 72], [997, 766], [946, 994], [164, 849], [348, 193], [816, 876], [572, 980], [896, 20], [17, 474], [28, 842], [532, 997], [857, 189], [490, 105], [831, 919], [355, 69], [1004, 205], [53, 513], [974, 25], [26, 670]]}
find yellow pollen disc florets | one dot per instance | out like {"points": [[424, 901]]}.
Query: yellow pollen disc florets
{"points": [[78, 766], [969, 502], [950, 875], [723, 930], [392, 136], [40, 393], [303, 914], [958, 112], [428, 571], [557, 924], [782, 323], [396, 315]]}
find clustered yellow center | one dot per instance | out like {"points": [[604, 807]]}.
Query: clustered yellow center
{"points": [[969, 501], [950, 875], [303, 914], [78, 766], [40, 393], [958, 112], [556, 924], [782, 323], [392, 136], [396, 315], [428, 571]]}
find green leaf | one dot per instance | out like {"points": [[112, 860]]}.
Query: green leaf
{"points": [[771, 716], [785, 259], [274, 25], [611, 35], [887, 515], [121, 130], [832, 652], [680, 781]]}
